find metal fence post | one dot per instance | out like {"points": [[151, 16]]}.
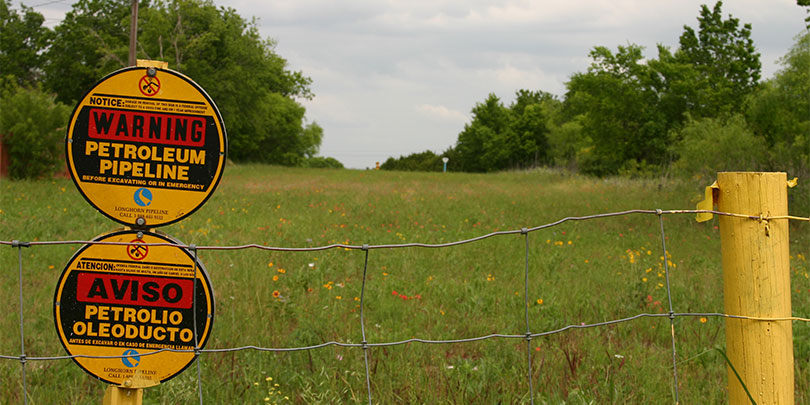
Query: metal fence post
{"points": [[756, 280]]}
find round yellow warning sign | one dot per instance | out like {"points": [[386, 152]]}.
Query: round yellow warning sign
{"points": [[146, 146], [124, 302]]}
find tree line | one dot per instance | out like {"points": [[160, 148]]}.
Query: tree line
{"points": [[692, 111], [44, 72]]}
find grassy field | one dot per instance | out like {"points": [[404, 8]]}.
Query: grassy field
{"points": [[580, 272]]}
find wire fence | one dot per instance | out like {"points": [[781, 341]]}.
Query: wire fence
{"points": [[365, 345]]}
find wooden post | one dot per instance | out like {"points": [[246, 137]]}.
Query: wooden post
{"points": [[133, 32], [756, 283]]}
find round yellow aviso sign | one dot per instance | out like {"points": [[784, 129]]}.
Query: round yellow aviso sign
{"points": [[118, 304]]}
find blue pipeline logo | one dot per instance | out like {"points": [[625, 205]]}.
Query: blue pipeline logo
{"points": [[133, 358], [143, 197]]}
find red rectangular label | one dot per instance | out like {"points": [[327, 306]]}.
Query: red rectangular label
{"points": [[134, 290], [139, 126]]}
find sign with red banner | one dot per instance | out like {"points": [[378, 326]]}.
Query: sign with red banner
{"points": [[146, 146], [124, 301]]}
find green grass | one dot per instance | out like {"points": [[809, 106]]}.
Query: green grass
{"points": [[589, 272]]}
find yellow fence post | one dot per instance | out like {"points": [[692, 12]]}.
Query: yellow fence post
{"points": [[756, 283], [116, 395]]}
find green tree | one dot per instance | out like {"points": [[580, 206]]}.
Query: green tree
{"points": [[501, 137], [250, 83], [780, 112], [90, 42], [567, 143], [480, 145], [725, 59], [628, 106], [619, 111], [530, 125], [22, 41], [805, 3], [255, 91]]}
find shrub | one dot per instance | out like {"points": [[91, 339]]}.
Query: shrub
{"points": [[319, 162], [33, 127], [426, 161], [708, 145]]}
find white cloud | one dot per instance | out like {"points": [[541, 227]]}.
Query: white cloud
{"points": [[442, 112]]}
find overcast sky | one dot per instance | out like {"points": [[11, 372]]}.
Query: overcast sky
{"points": [[396, 77]]}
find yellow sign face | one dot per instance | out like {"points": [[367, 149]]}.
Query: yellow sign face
{"points": [[131, 300], [146, 146]]}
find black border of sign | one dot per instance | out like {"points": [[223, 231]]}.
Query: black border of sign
{"points": [[214, 184], [200, 268]]}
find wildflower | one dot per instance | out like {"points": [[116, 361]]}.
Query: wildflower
{"points": [[539, 301], [394, 292], [357, 298], [268, 379], [703, 319], [338, 297], [275, 278], [276, 294], [644, 279], [311, 265], [282, 271], [50, 267]]}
